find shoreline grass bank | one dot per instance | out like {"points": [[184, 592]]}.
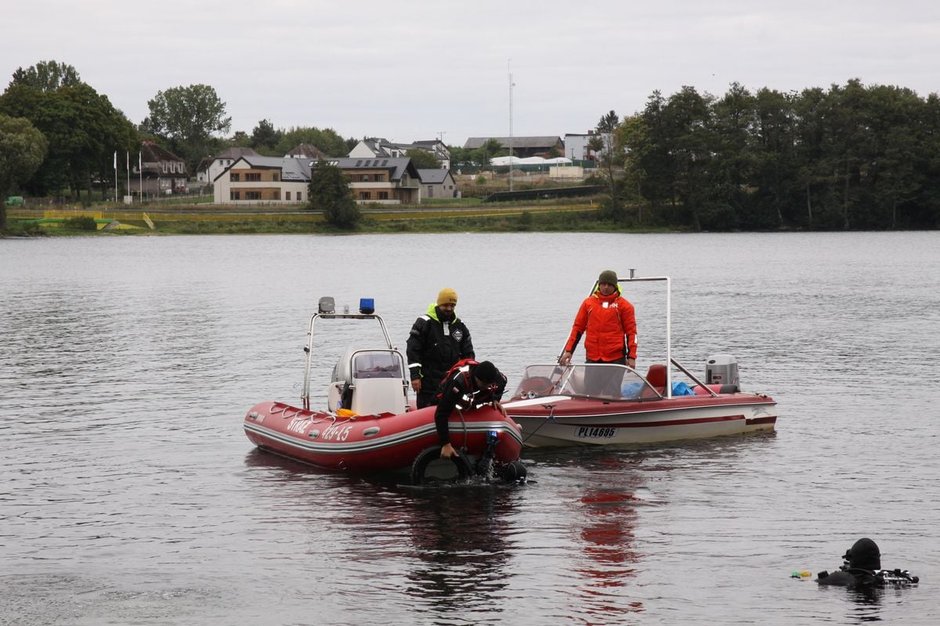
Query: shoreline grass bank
{"points": [[545, 216]]}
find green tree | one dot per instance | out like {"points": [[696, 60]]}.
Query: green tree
{"points": [[650, 160], [264, 137], [22, 149], [633, 133], [605, 144], [83, 130], [47, 76], [330, 194], [733, 158], [423, 159], [326, 140], [239, 140], [188, 117], [490, 148], [774, 160], [689, 130]]}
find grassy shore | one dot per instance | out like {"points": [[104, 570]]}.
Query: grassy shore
{"points": [[452, 216]]}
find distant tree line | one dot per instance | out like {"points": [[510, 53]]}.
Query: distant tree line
{"points": [[58, 135], [847, 157], [850, 157]]}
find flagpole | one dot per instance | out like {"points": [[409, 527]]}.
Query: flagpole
{"points": [[140, 173], [127, 156], [115, 175]]}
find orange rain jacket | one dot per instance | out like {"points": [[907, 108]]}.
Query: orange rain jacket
{"points": [[610, 323]]}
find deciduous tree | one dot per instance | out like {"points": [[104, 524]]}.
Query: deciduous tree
{"points": [[47, 76], [188, 117], [83, 130], [609, 153], [326, 140], [423, 160], [264, 137], [22, 149]]}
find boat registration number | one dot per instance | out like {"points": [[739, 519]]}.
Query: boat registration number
{"points": [[594, 432]]}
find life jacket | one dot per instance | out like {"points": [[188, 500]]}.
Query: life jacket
{"points": [[462, 366]]}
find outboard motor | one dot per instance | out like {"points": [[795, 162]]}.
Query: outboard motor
{"points": [[721, 369]]}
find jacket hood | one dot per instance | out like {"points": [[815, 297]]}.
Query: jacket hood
{"points": [[432, 313]]}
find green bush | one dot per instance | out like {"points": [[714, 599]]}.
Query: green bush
{"points": [[82, 222]]}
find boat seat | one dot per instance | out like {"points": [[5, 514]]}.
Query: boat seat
{"points": [[374, 396], [656, 377]]}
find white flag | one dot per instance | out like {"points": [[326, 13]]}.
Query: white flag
{"points": [[115, 160]]}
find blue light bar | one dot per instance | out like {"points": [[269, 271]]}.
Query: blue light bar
{"points": [[367, 306]]}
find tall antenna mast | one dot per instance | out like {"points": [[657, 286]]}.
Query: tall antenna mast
{"points": [[511, 85]]}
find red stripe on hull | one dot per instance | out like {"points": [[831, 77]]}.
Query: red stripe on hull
{"points": [[697, 420]]}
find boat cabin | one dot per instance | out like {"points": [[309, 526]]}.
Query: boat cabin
{"points": [[369, 382]]}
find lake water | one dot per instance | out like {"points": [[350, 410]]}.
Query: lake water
{"points": [[130, 495]]}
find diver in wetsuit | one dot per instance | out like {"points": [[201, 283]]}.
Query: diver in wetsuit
{"points": [[862, 569]]}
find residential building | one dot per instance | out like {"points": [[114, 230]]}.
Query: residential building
{"points": [[277, 180], [211, 167], [305, 150], [437, 183], [576, 146], [255, 179], [160, 173], [383, 181], [383, 148]]}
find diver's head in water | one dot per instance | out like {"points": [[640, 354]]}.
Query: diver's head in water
{"points": [[864, 554]]}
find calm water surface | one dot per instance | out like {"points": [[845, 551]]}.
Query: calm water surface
{"points": [[130, 495]]}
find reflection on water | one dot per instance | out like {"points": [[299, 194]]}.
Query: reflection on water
{"points": [[459, 536], [611, 557], [131, 495]]}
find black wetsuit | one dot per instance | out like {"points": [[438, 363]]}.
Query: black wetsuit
{"points": [[460, 391], [862, 570]]}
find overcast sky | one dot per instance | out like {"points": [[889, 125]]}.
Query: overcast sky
{"points": [[411, 70]]}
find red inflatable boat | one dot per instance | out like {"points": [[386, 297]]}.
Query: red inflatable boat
{"points": [[368, 425]]}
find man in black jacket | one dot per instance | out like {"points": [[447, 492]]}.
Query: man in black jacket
{"points": [[438, 339], [469, 387]]}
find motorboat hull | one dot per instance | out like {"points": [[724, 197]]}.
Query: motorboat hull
{"points": [[566, 420], [374, 443]]}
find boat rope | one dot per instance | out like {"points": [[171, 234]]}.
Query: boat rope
{"points": [[551, 416]]}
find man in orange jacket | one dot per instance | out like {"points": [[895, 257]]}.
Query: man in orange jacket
{"points": [[609, 321]]}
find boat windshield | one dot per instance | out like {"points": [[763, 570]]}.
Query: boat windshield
{"points": [[377, 364], [593, 380], [357, 364]]}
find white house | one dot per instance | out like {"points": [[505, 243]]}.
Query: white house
{"points": [[277, 180], [258, 179], [210, 168], [383, 148]]}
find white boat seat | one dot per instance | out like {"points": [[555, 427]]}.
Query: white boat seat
{"points": [[369, 382], [373, 396]]}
